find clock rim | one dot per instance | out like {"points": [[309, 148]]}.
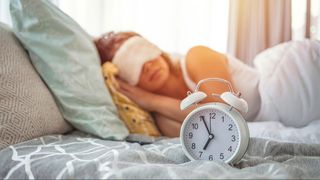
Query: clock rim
{"points": [[238, 120]]}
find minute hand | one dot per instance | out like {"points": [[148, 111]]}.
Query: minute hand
{"points": [[205, 124]]}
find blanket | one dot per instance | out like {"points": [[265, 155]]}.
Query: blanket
{"points": [[81, 156]]}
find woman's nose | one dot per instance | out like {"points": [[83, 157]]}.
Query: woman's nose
{"points": [[147, 66]]}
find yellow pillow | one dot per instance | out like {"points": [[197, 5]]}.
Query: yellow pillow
{"points": [[136, 119]]}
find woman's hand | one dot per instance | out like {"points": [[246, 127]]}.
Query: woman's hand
{"points": [[168, 127], [140, 96]]}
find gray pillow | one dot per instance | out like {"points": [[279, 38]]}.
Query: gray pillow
{"points": [[67, 60], [27, 109]]}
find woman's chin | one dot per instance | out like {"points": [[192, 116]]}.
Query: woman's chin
{"points": [[157, 85]]}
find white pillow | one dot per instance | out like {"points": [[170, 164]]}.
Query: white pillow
{"points": [[246, 80], [290, 83]]}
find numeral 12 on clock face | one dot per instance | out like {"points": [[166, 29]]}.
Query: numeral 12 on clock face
{"points": [[211, 134]]}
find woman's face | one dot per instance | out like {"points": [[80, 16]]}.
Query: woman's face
{"points": [[154, 74]]}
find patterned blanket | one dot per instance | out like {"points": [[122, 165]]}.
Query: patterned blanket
{"points": [[80, 156]]}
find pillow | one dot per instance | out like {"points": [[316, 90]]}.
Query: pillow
{"points": [[27, 109], [246, 80], [289, 86], [137, 120], [67, 60]]}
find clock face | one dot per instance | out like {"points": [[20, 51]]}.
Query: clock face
{"points": [[210, 134]]}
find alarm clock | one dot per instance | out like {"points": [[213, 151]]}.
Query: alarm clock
{"points": [[215, 131]]}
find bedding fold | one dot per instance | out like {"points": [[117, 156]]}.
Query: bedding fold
{"points": [[80, 156]]}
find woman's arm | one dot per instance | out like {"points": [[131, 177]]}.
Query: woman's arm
{"points": [[169, 107], [168, 127], [164, 105]]}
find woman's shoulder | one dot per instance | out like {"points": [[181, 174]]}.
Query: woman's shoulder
{"points": [[199, 57]]}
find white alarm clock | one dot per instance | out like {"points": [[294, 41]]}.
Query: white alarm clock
{"points": [[215, 131]]}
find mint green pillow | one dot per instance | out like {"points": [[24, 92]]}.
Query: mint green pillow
{"points": [[67, 60]]}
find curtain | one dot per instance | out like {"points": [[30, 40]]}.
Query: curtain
{"points": [[240, 27], [174, 25], [305, 19], [255, 25]]}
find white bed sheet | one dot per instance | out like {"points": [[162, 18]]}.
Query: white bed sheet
{"points": [[275, 130]]}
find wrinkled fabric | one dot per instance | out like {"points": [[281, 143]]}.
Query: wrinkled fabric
{"points": [[290, 83], [82, 157]]}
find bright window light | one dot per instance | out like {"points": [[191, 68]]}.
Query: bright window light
{"points": [[298, 14], [175, 26]]}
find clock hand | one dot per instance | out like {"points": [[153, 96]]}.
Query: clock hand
{"points": [[205, 124], [210, 124], [205, 146], [210, 135], [208, 141]]}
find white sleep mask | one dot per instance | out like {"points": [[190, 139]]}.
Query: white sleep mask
{"points": [[131, 57]]}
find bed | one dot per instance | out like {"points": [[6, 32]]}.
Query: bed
{"points": [[275, 151]]}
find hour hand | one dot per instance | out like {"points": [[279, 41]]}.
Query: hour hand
{"points": [[208, 141], [205, 124]]}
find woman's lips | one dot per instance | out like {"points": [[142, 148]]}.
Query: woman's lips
{"points": [[154, 74]]}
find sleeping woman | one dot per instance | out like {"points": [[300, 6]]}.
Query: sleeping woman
{"points": [[158, 82]]}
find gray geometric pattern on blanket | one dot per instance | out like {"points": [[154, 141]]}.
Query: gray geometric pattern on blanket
{"points": [[84, 157]]}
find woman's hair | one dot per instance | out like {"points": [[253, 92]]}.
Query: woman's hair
{"points": [[108, 44]]}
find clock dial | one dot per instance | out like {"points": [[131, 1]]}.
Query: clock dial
{"points": [[211, 134]]}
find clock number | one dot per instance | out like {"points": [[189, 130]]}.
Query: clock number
{"points": [[230, 149], [200, 153], [194, 125], [230, 127], [212, 115], [193, 145], [222, 118], [233, 138], [221, 156], [190, 135], [210, 157]]}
